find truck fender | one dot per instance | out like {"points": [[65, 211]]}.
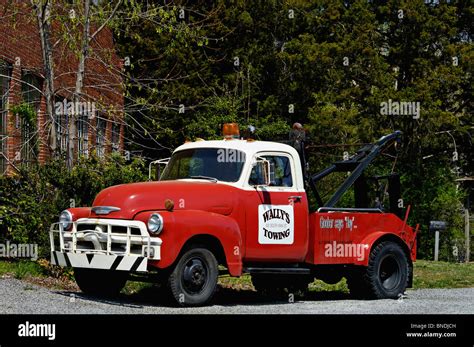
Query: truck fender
{"points": [[373, 238], [79, 212], [181, 226]]}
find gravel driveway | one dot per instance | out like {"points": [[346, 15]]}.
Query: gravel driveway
{"points": [[17, 297]]}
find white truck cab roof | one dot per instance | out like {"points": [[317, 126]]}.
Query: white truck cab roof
{"points": [[252, 150]]}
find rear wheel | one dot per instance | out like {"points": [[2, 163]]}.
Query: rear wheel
{"points": [[100, 282], [385, 277], [193, 280]]}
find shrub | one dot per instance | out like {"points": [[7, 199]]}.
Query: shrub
{"points": [[33, 198]]}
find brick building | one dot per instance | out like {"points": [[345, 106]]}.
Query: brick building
{"points": [[25, 127]]}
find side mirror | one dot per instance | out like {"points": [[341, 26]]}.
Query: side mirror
{"points": [[263, 174], [158, 164]]}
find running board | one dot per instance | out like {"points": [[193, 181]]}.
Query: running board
{"points": [[277, 270]]}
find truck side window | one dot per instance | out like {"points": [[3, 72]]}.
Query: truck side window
{"points": [[281, 169]]}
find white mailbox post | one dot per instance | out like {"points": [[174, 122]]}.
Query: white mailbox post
{"points": [[437, 226]]}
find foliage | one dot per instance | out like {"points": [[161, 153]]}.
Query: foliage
{"points": [[21, 269], [26, 112], [435, 197], [328, 64], [31, 200]]}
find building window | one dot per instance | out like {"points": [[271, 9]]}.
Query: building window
{"points": [[5, 70], [83, 135], [62, 123], [31, 89], [31, 95], [62, 132], [115, 137], [100, 137]]}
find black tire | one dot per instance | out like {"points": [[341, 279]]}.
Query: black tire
{"points": [[386, 276], [281, 285], [193, 280], [105, 283]]}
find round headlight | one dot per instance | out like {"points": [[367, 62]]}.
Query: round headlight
{"points": [[65, 219], [155, 223]]}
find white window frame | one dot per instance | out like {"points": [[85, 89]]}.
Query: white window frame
{"points": [[294, 178]]}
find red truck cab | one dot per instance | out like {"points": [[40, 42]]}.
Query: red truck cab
{"points": [[238, 204]]}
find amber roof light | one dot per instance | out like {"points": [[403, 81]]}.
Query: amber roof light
{"points": [[230, 131]]}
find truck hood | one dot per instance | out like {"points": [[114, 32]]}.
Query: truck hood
{"points": [[148, 196]]}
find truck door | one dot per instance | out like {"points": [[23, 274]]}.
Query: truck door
{"points": [[276, 214]]}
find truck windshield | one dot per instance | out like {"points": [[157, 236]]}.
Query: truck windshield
{"points": [[222, 164]]}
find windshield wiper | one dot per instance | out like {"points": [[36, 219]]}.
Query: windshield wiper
{"points": [[213, 179]]}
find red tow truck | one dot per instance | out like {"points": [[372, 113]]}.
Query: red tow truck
{"points": [[241, 206]]}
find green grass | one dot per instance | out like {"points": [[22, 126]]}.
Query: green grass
{"points": [[6, 267], [431, 274], [21, 269], [427, 274], [240, 283], [245, 283], [320, 286], [135, 287]]}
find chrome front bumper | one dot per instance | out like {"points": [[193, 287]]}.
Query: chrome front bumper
{"points": [[113, 244]]}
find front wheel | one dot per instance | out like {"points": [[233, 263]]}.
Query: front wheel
{"points": [[193, 280], [100, 282]]}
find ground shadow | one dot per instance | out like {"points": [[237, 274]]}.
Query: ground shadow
{"points": [[225, 296]]}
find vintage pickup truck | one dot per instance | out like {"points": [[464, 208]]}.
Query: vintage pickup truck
{"points": [[240, 206]]}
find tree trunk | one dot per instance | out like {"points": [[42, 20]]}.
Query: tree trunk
{"points": [[72, 143], [43, 14]]}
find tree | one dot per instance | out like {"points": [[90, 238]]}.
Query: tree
{"points": [[331, 65], [42, 9]]}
